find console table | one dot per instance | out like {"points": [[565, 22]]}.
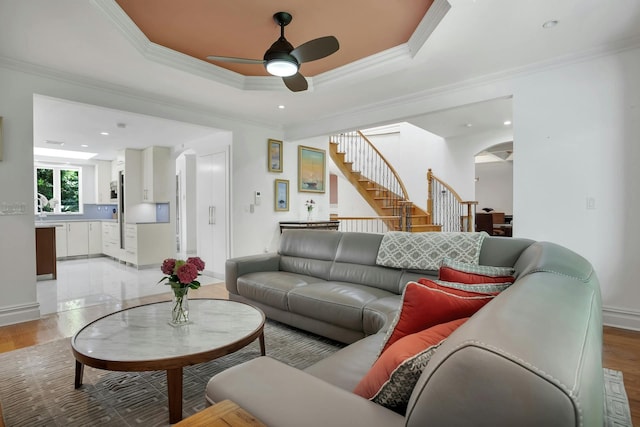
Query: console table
{"points": [[312, 225]]}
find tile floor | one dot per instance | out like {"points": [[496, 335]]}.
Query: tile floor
{"points": [[87, 282]]}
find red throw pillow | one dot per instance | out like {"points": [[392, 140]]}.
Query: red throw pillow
{"points": [[424, 306], [448, 274], [391, 379]]}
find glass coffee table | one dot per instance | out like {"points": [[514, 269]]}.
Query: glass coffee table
{"points": [[141, 339]]}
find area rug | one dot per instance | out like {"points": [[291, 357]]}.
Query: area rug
{"points": [[36, 383]]}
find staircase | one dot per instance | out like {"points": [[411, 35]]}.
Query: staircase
{"points": [[378, 183]]}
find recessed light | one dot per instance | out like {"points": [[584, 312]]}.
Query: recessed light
{"points": [[507, 122], [550, 24], [84, 145], [469, 125], [104, 133], [281, 107]]}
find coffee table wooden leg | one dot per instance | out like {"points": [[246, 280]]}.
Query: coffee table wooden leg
{"points": [[174, 385], [262, 349], [79, 374]]}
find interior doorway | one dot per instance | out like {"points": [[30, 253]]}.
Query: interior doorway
{"points": [[494, 178]]}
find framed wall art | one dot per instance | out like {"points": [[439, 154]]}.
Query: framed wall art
{"points": [[274, 155], [281, 195], [311, 169]]}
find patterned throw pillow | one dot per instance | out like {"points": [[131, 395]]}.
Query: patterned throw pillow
{"points": [[391, 379], [484, 288], [425, 305], [460, 272]]}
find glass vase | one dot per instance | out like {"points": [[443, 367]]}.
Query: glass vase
{"points": [[180, 306]]}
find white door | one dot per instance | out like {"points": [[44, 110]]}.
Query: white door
{"points": [[212, 208]]}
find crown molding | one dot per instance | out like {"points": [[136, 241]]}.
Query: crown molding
{"points": [[430, 21], [337, 122], [127, 91], [372, 66]]}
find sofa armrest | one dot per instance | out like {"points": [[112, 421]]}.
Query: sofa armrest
{"points": [[283, 396], [236, 267]]}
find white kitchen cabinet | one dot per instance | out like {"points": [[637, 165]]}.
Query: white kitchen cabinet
{"points": [[111, 239], [211, 214], [103, 181], [131, 243], [148, 244], [61, 240], [157, 176], [132, 178], [72, 239], [77, 238], [95, 238]]}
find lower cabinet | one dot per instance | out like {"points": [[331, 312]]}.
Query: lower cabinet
{"points": [[144, 244], [95, 238], [72, 239], [147, 244], [111, 239]]}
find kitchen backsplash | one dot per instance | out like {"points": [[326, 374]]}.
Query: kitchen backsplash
{"points": [[101, 212], [91, 211]]}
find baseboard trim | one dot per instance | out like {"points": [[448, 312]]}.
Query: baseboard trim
{"points": [[621, 318], [19, 313]]}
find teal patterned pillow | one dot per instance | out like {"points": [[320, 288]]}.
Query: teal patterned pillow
{"points": [[482, 288], [484, 270]]}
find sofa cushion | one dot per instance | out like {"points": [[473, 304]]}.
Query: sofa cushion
{"points": [[337, 303], [346, 367], [272, 287], [378, 315], [460, 272], [391, 379], [424, 306]]}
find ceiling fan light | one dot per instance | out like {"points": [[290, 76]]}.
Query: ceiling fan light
{"points": [[281, 67]]}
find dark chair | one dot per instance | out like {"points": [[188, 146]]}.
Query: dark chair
{"points": [[484, 222]]}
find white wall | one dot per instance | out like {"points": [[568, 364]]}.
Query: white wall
{"points": [[260, 231], [576, 135], [494, 188], [17, 244], [186, 170]]}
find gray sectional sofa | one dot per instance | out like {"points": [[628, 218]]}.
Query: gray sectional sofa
{"points": [[531, 357]]}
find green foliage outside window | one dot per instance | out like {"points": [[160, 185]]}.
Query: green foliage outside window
{"points": [[45, 185], [61, 185], [69, 191]]}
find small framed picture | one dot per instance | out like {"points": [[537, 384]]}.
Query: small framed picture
{"points": [[281, 195], [311, 169], [274, 155]]}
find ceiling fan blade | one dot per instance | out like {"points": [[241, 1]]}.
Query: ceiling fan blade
{"points": [[315, 49], [296, 83], [236, 60]]}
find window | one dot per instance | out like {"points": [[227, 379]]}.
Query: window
{"points": [[58, 189]]}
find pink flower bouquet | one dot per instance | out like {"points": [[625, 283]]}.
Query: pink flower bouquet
{"points": [[182, 274]]}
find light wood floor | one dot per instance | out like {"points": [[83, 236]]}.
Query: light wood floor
{"points": [[621, 347]]}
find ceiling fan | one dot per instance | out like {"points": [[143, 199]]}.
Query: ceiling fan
{"points": [[282, 60]]}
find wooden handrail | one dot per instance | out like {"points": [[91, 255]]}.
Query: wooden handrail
{"points": [[451, 212], [405, 194], [431, 176]]}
